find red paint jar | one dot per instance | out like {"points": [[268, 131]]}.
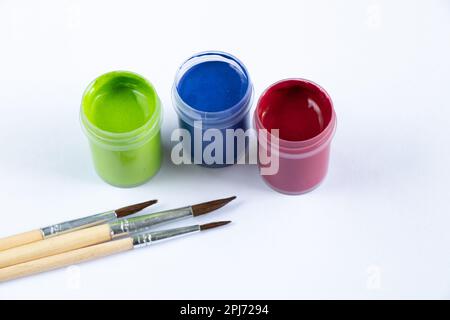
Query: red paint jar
{"points": [[303, 112]]}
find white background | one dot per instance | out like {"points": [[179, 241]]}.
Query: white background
{"points": [[378, 227]]}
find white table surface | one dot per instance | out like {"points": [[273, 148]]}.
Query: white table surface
{"points": [[378, 227]]}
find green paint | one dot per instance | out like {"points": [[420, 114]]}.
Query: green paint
{"points": [[128, 168], [121, 115]]}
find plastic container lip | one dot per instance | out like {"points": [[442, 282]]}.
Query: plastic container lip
{"points": [[121, 140], [222, 118], [301, 146]]}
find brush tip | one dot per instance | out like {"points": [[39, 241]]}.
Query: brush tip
{"points": [[212, 225], [206, 207], [125, 211]]}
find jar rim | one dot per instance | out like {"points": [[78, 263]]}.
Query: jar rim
{"points": [[221, 118], [126, 139]]}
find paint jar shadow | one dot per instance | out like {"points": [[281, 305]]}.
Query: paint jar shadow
{"points": [[371, 167], [57, 151]]}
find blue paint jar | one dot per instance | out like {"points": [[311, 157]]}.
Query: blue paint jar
{"points": [[212, 95]]}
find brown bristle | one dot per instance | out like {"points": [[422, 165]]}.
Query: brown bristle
{"points": [[125, 211], [213, 225], [205, 207]]}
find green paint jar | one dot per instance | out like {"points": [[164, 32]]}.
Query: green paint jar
{"points": [[121, 116]]}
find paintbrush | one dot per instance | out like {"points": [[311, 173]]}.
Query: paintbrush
{"points": [[99, 250], [102, 233], [68, 226]]}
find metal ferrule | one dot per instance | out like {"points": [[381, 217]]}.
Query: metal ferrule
{"points": [[125, 226], [145, 239], [77, 224]]}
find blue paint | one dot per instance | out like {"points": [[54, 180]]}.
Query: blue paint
{"points": [[213, 87], [244, 124]]}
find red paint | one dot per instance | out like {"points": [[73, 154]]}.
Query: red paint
{"points": [[297, 108], [303, 113]]}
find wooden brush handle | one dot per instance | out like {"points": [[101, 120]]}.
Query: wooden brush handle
{"points": [[62, 243], [20, 239], [65, 259]]}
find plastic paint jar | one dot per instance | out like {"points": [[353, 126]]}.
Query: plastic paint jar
{"points": [[303, 112], [213, 88], [121, 116]]}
